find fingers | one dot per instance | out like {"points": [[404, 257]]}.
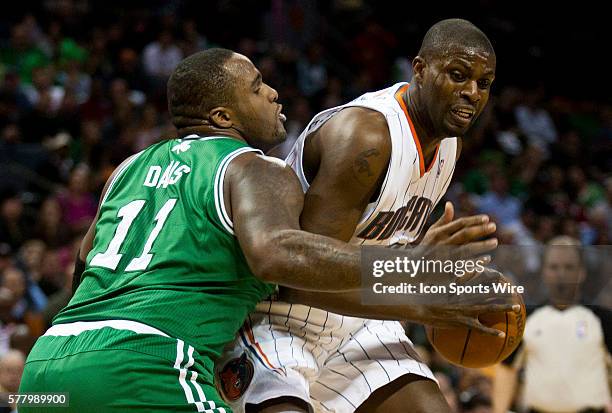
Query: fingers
{"points": [[472, 232], [449, 212], [447, 215], [454, 226], [478, 326], [497, 308], [473, 249]]}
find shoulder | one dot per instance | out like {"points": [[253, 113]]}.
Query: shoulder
{"points": [[357, 140], [257, 162], [358, 126], [266, 171], [253, 176]]}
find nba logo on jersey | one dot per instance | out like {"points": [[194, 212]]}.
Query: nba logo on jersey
{"points": [[440, 167], [581, 329]]}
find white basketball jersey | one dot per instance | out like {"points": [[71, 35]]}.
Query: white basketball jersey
{"points": [[410, 190]]}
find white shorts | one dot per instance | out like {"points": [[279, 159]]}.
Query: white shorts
{"points": [[332, 362]]}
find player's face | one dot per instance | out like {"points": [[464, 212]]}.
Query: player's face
{"points": [[259, 115], [456, 88]]}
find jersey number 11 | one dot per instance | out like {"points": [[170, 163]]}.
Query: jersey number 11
{"points": [[111, 257]]}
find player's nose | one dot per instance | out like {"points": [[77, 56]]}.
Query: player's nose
{"points": [[470, 91], [273, 95]]}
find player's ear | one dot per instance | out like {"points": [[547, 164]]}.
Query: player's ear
{"points": [[418, 69], [220, 117]]}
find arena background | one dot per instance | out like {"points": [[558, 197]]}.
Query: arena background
{"points": [[82, 86]]}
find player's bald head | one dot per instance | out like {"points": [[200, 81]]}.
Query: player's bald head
{"points": [[199, 83], [450, 34]]}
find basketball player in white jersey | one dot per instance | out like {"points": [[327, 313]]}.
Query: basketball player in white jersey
{"points": [[372, 170]]}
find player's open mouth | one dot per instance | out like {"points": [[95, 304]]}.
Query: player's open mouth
{"points": [[281, 116], [462, 116], [463, 113]]}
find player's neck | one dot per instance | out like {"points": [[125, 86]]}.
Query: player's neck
{"points": [[422, 124], [210, 130]]}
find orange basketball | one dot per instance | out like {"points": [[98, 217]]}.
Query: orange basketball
{"points": [[469, 348]]}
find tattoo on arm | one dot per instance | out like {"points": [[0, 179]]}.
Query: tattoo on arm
{"points": [[361, 165]]}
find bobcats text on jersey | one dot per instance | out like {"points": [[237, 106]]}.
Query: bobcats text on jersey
{"points": [[411, 218]]}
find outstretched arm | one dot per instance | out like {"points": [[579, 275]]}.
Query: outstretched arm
{"points": [[265, 202]]}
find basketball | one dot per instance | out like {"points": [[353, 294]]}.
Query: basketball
{"points": [[469, 348]]}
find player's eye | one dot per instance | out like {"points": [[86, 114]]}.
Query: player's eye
{"points": [[484, 83], [457, 76]]}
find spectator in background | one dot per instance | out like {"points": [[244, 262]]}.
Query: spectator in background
{"points": [[312, 71], [42, 121], [11, 370], [149, 130], [14, 227], [535, 122], [372, 50], [161, 57], [333, 93], [49, 226], [73, 79], [42, 87], [58, 162], [31, 258], [28, 298], [192, 41], [7, 325], [129, 69], [22, 54], [12, 98], [6, 256], [499, 203], [586, 192], [77, 203]]}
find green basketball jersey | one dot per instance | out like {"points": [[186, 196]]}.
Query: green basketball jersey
{"points": [[164, 252]]}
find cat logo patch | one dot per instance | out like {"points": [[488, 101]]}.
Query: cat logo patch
{"points": [[235, 377]]}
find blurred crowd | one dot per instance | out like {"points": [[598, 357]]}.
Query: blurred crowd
{"points": [[83, 87]]}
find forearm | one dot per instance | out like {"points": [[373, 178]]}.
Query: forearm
{"points": [[311, 262], [349, 304]]}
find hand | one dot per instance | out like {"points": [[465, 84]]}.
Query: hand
{"points": [[463, 232], [453, 310]]}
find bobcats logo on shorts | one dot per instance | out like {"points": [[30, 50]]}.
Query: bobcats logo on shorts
{"points": [[235, 377]]}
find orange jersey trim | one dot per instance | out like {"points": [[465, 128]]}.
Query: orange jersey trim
{"points": [[252, 341], [417, 141]]}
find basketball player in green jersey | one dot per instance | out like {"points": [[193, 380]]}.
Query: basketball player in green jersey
{"points": [[190, 235]]}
